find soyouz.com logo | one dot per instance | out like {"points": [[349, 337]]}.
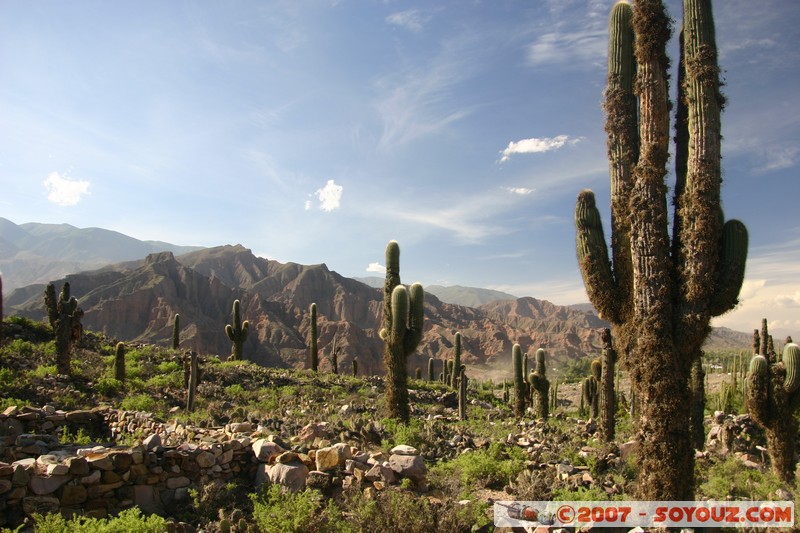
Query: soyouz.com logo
{"points": [[644, 514]]}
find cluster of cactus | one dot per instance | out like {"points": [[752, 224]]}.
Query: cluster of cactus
{"points": [[403, 316], [540, 386], [176, 332], [65, 319], [773, 396], [554, 397], [237, 333], [660, 291], [590, 391]]}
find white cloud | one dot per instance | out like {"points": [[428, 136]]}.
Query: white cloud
{"points": [[522, 191], [411, 19], [330, 196], [788, 300], [535, 145], [376, 267], [779, 157], [65, 191], [307, 205]]}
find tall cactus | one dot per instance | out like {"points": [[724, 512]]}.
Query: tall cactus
{"points": [[403, 315], [658, 292], [176, 332], [461, 386], [519, 381], [430, 369], [456, 360], [65, 317], [608, 399], [540, 386], [119, 362], [773, 396], [698, 405], [313, 340], [237, 333]]}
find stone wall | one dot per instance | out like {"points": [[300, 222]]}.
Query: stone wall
{"points": [[39, 474]]}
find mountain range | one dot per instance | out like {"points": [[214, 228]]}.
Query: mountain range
{"points": [[136, 300]]}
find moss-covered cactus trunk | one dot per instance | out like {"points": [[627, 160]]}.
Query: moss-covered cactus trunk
{"points": [[237, 333], [313, 338], [697, 414], [661, 296], [402, 331], [608, 399]]}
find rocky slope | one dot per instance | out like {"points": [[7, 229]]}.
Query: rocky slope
{"points": [[137, 301]]}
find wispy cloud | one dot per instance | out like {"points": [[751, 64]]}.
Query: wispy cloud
{"points": [[411, 19], [536, 145], [61, 190], [778, 157], [522, 191], [330, 196], [420, 100]]}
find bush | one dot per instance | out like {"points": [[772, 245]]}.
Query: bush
{"points": [[138, 402], [494, 467], [127, 521], [389, 510], [301, 512]]}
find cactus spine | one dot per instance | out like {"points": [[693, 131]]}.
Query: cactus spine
{"points": [[119, 362], [519, 382], [608, 399], [403, 315], [660, 292], [237, 333], [176, 332], [65, 318], [540, 386], [313, 341], [772, 398], [456, 360]]}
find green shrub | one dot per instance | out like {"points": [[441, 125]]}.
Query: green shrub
{"points": [[128, 521], [138, 402], [494, 467], [275, 511], [108, 386], [162, 381], [729, 479], [43, 371], [389, 510], [19, 347], [166, 367]]}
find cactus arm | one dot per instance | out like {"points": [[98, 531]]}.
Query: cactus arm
{"points": [[593, 257], [791, 359], [732, 265], [416, 320]]}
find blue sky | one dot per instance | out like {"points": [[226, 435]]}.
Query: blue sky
{"points": [[316, 131]]}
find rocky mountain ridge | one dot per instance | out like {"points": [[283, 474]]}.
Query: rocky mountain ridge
{"points": [[137, 300]]}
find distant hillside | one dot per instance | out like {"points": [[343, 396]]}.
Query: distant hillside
{"points": [[136, 301], [37, 253], [453, 294]]}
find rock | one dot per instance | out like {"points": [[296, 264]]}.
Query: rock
{"points": [[329, 458], [73, 495], [403, 449], [40, 504], [265, 450], [205, 459], [291, 476], [410, 466], [178, 482], [318, 480], [153, 442], [42, 485], [288, 457]]}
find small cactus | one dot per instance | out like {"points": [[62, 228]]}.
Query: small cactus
{"points": [[237, 333], [591, 389], [355, 367], [462, 392], [194, 377], [418, 373], [608, 398], [540, 385], [430, 369]]}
